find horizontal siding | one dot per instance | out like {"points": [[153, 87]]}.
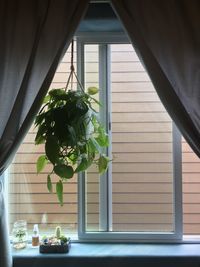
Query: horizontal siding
{"points": [[119, 117], [41, 198], [191, 190], [133, 136], [134, 97], [127, 147], [142, 150], [142, 137], [142, 188], [142, 198], [121, 157], [137, 107], [139, 86]]}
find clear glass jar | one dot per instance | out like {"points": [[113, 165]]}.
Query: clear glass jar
{"points": [[19, 234]]}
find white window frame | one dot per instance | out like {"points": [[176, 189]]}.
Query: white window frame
{"points": [[106, 184]]}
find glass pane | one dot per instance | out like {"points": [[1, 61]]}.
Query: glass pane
{"points": [[142, 176], [191, 191], [92, 176]]}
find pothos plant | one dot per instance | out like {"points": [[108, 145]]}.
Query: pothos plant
{"points": [[74, 139]]}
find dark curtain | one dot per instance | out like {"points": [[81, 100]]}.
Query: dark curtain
{"points": [[166, 37], [34, 36]]}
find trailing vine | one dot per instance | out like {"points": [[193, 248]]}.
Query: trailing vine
{"points": [[69, 127]]}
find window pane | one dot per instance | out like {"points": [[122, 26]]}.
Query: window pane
{"points": [[28, 195], [142, 174], [191, 190], [92, 176], [142, 166]]}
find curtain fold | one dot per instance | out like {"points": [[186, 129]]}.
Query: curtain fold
{"points": [[166, 37], [34, 36]]}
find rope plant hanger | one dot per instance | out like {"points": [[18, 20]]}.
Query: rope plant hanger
{"points": [[72, 70], [73, 137]]}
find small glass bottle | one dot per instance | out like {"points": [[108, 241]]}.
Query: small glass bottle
{"points": [[35, 236], [19, 234]]}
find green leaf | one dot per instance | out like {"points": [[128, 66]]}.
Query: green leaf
{"points": [[84, 164], [57, 92], [95, 145], [103, 164], [102, 137], [46, 99], [92, 90], [59, 192], [41, 163], [64, 171], [103, 141], [49, 184], [52, 149], [73, 156], [91, 146], [58, 95], [72, 135], [95, 122], [81, 108], [39, 139], [39, 118]]}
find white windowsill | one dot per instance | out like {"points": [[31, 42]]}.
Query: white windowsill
{"points": [[87, 254]]}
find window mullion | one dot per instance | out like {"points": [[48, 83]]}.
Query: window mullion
{"points": [[81, 176], [178, 209], [105, 196]]}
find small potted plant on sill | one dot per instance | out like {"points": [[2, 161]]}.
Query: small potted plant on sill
{"points": [[57, 243], [74, 138]]}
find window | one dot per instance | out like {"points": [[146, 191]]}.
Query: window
{"points": [[136, 199], [140, 197]]}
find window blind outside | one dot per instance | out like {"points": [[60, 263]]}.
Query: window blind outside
{"points": [[142, 161]]}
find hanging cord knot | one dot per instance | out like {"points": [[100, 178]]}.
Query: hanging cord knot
{"points": [[72, 71], [72, 68], [72, 55]]}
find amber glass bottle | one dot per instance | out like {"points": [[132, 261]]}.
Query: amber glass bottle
{"points": [[35, 236]]}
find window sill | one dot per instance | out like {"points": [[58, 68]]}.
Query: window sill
{"points": [[116, 255]]}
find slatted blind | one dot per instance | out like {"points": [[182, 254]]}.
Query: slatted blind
{"points": [[142, 160]]}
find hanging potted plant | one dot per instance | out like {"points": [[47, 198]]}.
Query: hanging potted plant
{"points": [[69, 127]]}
